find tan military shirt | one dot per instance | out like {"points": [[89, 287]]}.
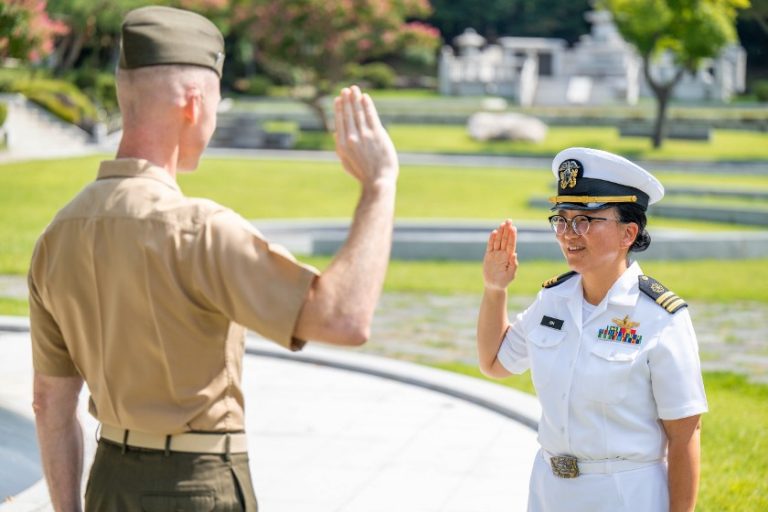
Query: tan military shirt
{"points": [[146, 294]]}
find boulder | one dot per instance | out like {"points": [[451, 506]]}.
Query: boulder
{"points": [[484, 126]]}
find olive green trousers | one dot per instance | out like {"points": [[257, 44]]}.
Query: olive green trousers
{"points": [[140, 480]]}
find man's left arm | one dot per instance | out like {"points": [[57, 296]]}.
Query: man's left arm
{"points": [[683, 456], [60, 437]]}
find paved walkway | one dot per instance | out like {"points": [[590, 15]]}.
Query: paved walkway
{"points": [[353, 432]]}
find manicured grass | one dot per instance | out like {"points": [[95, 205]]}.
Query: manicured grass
{"points": [[32, 192], [725, 144], [14, 307], [701, 280], [694, 280], [734, 439]]}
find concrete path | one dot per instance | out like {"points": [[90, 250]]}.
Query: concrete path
{"points": [[334, 430]]}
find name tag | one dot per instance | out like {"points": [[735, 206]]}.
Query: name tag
{"points": [[554, 323]]}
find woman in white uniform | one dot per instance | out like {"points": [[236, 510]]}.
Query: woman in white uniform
{"points": [[612, 352]]}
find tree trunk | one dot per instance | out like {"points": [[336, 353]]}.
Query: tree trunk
{"points": [[74, 48], [663, 93], [660, 124], [318, 109]]}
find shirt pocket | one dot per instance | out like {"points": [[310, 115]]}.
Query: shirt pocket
{"points": [[544, 348], [607, 374]]}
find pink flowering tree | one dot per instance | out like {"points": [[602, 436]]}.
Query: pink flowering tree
{"points": [[26, 31], [308, 43]]}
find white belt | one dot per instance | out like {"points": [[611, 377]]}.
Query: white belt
{"points": [[191, 442], [605, 465]]}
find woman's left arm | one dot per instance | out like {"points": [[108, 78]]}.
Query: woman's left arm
{"points": [[683, 455]]}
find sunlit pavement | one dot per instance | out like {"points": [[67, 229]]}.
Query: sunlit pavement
{"points": [[334, 430]]}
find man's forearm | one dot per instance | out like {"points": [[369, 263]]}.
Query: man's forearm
{"points": [[61, 439], [61, 450], [357, 271]]}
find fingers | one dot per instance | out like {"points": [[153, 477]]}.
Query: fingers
{"points": [[338, 110], [492, 240], [349, 113], [511, 238], [357, 101], [371, 114]]}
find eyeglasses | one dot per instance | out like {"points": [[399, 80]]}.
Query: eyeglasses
{"points": [[579, 224]]}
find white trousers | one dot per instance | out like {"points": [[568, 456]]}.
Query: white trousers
{"points": [[637, 490]]}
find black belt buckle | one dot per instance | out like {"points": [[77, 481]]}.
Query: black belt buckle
{"points": [[564, 466]]}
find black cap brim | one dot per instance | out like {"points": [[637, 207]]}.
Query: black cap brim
{"points": [[580, 206]]}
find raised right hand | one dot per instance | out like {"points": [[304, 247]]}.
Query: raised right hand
{"points": [[500, 261], [363, 145]]}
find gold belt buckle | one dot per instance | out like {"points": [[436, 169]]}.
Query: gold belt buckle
{"points": [[564, 466]]}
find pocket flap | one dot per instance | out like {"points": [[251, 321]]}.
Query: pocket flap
{"points": [[546, 337], [189, 501], [615, 353]]}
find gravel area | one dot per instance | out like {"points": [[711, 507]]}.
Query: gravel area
{"points": [[430, 328], [434, 328]]}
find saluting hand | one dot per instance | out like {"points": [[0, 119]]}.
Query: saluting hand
{"points": [[500, 261], [362, 143]]}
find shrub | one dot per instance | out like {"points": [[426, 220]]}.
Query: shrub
{"points": [[3, 113], [760, 88], [99, 86], [376, 75], [253, 86], [62, 99]]}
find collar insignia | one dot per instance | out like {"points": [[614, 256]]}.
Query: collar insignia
{"points": [[622, 332]]}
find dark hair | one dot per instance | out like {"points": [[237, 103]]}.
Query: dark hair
{"points": [[631, 212]]}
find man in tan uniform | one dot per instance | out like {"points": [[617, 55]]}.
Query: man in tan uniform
{"points": [[145, 294]]}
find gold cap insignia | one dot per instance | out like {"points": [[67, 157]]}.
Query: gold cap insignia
{"points": [[570, 171]]}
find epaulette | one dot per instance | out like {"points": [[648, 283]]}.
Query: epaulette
{"points": [[554, 281], [659, 293]]}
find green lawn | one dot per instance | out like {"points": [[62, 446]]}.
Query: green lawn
{"points": [[734, 439], [725, 145], [700, 280], [31, 193]]}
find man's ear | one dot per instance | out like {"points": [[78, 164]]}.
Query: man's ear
{"points": [[193, 104]]}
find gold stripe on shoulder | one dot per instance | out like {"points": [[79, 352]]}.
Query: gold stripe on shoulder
{"points": [[664, 296], [672, 298], [672, 306]]}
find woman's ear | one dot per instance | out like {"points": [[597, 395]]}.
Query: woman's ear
{"points": [[631, 230]]}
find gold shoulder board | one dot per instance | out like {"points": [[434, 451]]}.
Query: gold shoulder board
{"points": [[661, 295], [554, 281]]}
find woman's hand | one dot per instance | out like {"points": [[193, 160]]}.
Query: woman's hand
{"points": [[500, 261]]}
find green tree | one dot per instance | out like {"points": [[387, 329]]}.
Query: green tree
{"points": [[496, 18], [308, 43], [758, 11], [26, 31], [94, 27], [691, 30]]}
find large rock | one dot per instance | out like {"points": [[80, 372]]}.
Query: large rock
{"points": [[485, 126]]}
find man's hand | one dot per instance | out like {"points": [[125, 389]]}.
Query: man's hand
{"points": [[362, 143], [500, 261]]}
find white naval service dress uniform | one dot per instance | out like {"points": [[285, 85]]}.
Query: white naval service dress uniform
{"points": [[604, 391]]}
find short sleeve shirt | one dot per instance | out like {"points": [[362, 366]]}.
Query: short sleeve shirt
{"points": [[602, 397], [146, 294]]}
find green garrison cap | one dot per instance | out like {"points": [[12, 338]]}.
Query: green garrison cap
{"points": [[163, 35]]}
